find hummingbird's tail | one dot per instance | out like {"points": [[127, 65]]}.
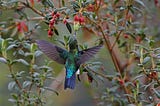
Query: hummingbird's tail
{"points": [[70, 82]]}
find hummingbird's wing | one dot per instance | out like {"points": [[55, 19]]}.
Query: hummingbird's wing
{"points": [[87, 54], [52, 51]]}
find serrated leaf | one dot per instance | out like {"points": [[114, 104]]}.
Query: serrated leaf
{"points": [[11, 85], [3, 60], [69, 27]]}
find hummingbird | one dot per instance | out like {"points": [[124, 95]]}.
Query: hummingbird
{"points": [[72, 59]]}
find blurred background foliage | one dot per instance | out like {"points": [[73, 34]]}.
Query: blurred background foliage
{"points": [[137, 23]]}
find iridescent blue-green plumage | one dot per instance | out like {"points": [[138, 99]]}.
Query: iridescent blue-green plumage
{"points": [[72, 59]]}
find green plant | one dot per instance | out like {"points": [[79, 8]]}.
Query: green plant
{"points": [[123, 25]]}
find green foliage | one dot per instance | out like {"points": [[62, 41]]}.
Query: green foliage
{"points": [[23, 83], [122, 25]]}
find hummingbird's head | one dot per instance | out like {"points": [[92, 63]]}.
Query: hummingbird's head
{"points": [[73, 43]]}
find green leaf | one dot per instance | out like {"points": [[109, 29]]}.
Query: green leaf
{"points": [[48, 3], [12, 1], [146, 59], [14, 96], [22, 61], [140, 2], [60, 41], [3, 60], [26, 84], [11, 47], [69, 27], [50, 89], [33, 47], [63, 3], [12, 100], [27, 45], [4, 43], [28, 54], [56, 31], [66, 39], [21, 52], [19, 74], [38, 53], [46, 68], [11, 85]]}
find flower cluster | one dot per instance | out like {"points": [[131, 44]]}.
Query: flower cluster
{"points": [[55, 16], [78, 20]]}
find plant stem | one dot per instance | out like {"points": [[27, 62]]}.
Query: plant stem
{"points": [[119, 34], [32, 8], [113, 56], [115, 60], [15, 79]]}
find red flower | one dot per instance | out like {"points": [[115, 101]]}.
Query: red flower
{"points": [[50, 33], [19, 28], [121, 82], [64, 21], [138, 39], [126, 36], [57, 15], [32, 2], [76, 18], [22, 27], [81, 20], [158, 104], [156, 3], [90, 7]]}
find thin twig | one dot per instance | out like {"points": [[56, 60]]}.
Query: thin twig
{"points": [[15, 79], [119, 34], [113, 56], [33, 9]]}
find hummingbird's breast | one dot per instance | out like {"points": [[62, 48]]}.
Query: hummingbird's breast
{"points": [[70, 65]]}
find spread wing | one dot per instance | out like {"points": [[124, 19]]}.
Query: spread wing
{"points": [[87, 54], [52, 51]]}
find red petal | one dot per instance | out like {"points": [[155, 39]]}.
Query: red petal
{"points": [[24, 26], [32, 2]]}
